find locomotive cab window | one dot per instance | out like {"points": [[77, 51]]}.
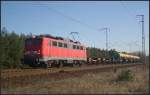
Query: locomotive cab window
{"points": [[54, 43], [35, 42], [60, 44], [28, 42]]}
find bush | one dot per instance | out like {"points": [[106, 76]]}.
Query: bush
{"points": [[125, 76]]}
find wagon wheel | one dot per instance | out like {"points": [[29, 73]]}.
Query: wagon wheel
{"points": [[76, 65], [46, 66], [80, 63], [73, 65], [60, 65], [49, 64]]}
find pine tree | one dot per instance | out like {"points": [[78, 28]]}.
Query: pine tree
{"points": [[11, 49]]}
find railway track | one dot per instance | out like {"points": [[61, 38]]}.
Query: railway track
{"points": [[24, 77], [29, 72]]}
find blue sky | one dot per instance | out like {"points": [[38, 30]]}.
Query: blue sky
{"points": [[39, 17]]}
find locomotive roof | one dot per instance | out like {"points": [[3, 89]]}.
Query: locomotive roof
{"points": [[57, 38]]}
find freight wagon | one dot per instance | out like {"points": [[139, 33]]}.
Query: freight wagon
{"points": [[122, 58]]}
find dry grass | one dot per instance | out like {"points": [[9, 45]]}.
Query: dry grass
{"points": [[8, 73], [104, 82]]}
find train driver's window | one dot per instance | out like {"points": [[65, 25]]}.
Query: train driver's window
{"points": [[65, 45], [54, 43]]}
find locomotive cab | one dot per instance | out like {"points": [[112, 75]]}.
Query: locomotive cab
{"points": [[33, 51]]}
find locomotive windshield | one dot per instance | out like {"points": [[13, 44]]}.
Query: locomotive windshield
{"points": [[35, 42]]}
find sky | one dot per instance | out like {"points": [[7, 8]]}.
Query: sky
{"points": [[59, 18]]}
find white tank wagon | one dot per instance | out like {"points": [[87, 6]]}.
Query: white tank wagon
{"points": [[128, 57]]}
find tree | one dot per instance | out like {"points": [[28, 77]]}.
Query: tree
{"points": [[3, 46], [11, 49]]}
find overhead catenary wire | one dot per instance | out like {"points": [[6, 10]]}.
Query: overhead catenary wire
{"points": [[127, 10], [76, 20], [69, 17]]}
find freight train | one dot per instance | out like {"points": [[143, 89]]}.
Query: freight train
{"points": [[48, 51]]}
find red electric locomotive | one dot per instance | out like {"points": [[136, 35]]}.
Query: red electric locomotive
{"points": [[46, 50]]}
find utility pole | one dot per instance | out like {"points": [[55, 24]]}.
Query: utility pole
{"points": [[106, 39], [106, 30], [143, 38]]}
